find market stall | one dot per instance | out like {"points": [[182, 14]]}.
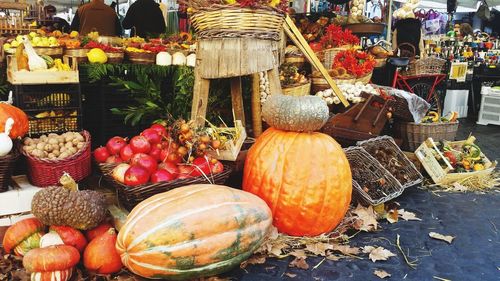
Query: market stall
{"points": [[182, 156]]}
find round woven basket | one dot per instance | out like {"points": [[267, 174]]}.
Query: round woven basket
{"points": [[320, 84], [47, 172], [326, 56], [115, 57], [364, 79], [141, 58], [7, 164], [79, 53], [49, 51], [297, 90], [223, 21], [298, 61], [414, 135]]}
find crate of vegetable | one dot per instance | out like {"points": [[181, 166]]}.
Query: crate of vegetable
{"points": [[451, 161], [385, 150], [372, 182], [230, 139], [161, 158]]}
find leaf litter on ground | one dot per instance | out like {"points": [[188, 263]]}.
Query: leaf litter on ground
{"points": [[442, 237], [377, 253], [380, 273]]}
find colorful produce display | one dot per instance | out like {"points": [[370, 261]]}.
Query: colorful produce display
{"points": [[212, 229], [159, 154], [466, 157]]}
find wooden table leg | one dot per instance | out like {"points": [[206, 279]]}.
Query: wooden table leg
{"points": [[274, 81], [256, 108], [237, 100], [200, 99]]}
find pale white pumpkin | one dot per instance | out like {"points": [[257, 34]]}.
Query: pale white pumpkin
{"points": [[163, 58], [178, 59], [5, 141], [50, 239]]}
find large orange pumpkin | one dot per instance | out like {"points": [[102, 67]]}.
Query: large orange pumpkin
{"points": [[304, 177], [21, 124], [193, 231]]}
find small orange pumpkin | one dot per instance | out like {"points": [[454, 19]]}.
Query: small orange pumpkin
{"points": [[21, 124]]}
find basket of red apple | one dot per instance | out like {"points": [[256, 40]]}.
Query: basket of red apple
{"points": [[161, 158]]}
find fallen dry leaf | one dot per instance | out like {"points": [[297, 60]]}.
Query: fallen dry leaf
{"points": [[439, 236], [345, 249], [368, 218], [299, 254], [255, 259], [378, 253], [319, 248], [291, 275], [392, 216], [333, 257], [408, 216], [381, 273], [299, 263]]}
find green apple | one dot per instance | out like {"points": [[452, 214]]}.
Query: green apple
{"points": [[6, 46], [52, 40], [33, 34], [14, 44], [19, 38]]}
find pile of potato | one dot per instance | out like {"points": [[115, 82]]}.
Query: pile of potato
{"points": [[54, 146]]}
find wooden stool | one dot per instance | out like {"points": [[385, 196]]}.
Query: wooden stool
{"points": [[233, 58]]}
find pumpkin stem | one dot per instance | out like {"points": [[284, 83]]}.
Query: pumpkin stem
{"points": [[68, 182], [111, 231], [9, 99], [8, 125]]}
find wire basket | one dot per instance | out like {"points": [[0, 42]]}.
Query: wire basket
{"points": [[298, 90], [46, 172], [367, 170], [407, 170], [7, 164], [414, 135], [130, 196], [225, 21]]}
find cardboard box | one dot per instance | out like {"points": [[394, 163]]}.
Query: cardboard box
{"points": [[18, 199]]}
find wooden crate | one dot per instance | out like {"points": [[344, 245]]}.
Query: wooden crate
{"points": [[23, 77], [426, 154], [232, 148]]}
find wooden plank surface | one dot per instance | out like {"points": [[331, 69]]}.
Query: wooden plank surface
{"points": [[256, 107], [274, 81], [237, 100], [200, 99]]}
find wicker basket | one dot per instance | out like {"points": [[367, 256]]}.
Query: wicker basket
{"points": [[326, 56], [371, 145], [141, 58], [298, 61], [401, 110], [130, 196], [430, 66], [299, 90], [366, 169], [7, 164], [45, 172], [115, 57], [49, 51], [364, 79], [224, 21], [319, 83], [79, 53], [414, 135]]}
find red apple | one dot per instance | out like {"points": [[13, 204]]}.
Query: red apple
{"points": [[160, 129], [151, 135], [113, 159], [156, 152], [162, 175], [136, 175], [201, 166], [140, 144], [115, 144], [118, 172], [101, 154], [169, 166], [145, 161], [126, 153]]}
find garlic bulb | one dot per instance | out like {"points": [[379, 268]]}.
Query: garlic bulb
{"points": [[178, 59], [5, 140], [163, 58]]}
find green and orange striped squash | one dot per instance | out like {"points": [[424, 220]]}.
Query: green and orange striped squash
{"points": [[193, 231]]}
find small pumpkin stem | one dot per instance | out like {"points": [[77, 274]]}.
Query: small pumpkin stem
{"points": [[111, 231], [68, 182]]}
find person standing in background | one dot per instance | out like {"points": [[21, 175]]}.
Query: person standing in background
{"points": [[52, 22], [96, 16], [146, 18]]}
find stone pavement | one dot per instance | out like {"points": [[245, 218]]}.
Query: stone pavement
{"points": [[473, 218]]}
